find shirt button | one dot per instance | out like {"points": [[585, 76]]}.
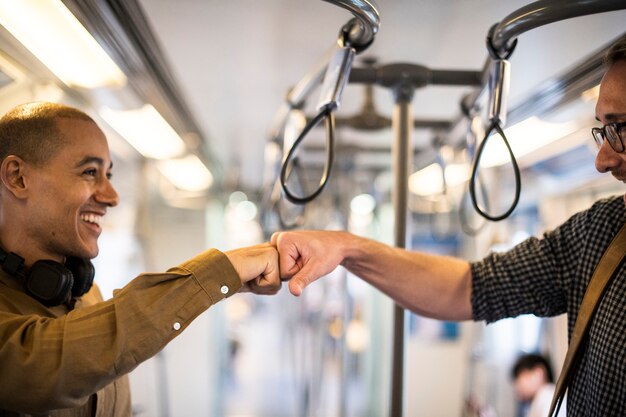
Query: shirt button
{"points": [[176, 326], [224, 289]]}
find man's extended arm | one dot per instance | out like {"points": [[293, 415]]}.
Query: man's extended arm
{"points": [[55, 359], [431, 285]]}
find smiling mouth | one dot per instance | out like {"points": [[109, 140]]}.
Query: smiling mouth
{"points": [[91, 218]]}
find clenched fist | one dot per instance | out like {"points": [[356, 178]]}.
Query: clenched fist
{"points": [[257, 267]]}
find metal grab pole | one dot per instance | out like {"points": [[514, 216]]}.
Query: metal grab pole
{"points": [[402, 157], [403, 79]]}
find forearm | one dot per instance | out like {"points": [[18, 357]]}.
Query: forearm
{"points": [[431, 285]]}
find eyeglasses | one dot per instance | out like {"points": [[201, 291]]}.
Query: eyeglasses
{"points": [[613, 133]]}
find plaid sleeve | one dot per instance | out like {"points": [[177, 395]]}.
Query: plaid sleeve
{"points": [[543, 276]]}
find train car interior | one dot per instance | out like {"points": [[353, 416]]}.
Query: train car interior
{"points": [[452, 127]]}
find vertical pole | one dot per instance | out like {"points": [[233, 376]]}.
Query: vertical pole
{"points": [[346, 357], [402, 158]]}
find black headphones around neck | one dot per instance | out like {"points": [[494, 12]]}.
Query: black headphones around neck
{"points": [[50, 282]]}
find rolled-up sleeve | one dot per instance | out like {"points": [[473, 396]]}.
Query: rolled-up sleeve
{"points": [[544, 276], [524, 280]]}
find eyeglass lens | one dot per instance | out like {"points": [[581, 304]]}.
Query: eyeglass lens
{"points": [[611, 134], [613, 137]]}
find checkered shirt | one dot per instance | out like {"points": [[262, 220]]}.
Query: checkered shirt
{"points": [[548, 277]]}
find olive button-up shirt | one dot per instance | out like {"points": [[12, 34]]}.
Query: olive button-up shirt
{"points": [[73, 360]]}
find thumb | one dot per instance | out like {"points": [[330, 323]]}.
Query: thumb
{"points": [[301, 280], [296, 285]]}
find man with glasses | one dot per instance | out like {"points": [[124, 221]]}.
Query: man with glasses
{"points": [[543, 276]]}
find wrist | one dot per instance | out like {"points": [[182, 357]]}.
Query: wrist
{"points": [[350, 248]]}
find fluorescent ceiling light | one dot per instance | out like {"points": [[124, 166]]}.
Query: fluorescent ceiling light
{"points": [[524, 138], [429, 181], [146, 130], [188, 173], [52, 33]]}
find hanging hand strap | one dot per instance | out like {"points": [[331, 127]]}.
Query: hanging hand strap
{"points": [[605, 270]]}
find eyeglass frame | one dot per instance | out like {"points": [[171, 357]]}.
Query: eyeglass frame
{"points": [[614, 142]]}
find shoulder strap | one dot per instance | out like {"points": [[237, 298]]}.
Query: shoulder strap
{"points": [[605, 270]]}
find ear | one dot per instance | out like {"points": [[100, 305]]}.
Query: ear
{"points": [[12, 175]]}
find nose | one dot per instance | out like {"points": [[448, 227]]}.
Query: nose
{"points": [[107, 195], [607, 159]]}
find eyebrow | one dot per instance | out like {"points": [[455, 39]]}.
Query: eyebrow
{"points": [[91, 159]]}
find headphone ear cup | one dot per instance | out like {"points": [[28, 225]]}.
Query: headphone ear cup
{"points": [[83, 272], [49, 282]]}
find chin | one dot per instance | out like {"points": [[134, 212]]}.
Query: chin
{"points": [[86, 253]]}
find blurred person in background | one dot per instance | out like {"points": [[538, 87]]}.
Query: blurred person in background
{"points": [[533, 382]]}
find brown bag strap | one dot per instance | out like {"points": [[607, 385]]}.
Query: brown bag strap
{"points": [[605, 270]]}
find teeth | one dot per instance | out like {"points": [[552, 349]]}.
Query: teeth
{"points": [[91, 218]]}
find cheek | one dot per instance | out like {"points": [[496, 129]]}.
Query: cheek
{"points": [[59, 206], [50, 195], [522, 388]]}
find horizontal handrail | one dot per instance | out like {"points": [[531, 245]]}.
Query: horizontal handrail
{"points": [[541, 13], [503, 35], [366, 11]]}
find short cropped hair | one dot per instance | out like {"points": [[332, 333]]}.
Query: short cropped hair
{"points": [[531, 361], [617, 52], [30, 130]]}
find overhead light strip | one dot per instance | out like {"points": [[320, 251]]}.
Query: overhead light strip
{"points": [[146, 130], [187, 173], [54, 35]]}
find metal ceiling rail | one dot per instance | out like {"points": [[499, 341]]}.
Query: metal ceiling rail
{"points": [[503, 35], [366, 12], [541, 13]]}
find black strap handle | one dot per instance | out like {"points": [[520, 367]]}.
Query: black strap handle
{"points": [[472, 185], [329, 116]]}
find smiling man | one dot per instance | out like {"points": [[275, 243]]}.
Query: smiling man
{"points": [[63, 350], [611, 112]]}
